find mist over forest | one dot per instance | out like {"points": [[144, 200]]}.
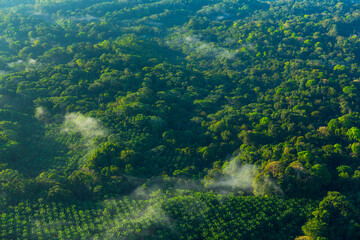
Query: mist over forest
{"points": [[179, 119]]}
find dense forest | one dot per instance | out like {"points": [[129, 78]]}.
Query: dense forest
{"points": [[179, 119]]}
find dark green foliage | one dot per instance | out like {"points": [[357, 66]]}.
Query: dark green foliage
{"points": [[189, 216], [334, 210], [243, 97]]}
